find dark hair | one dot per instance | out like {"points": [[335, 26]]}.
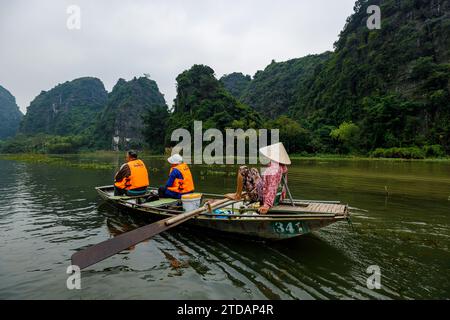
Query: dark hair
{"points": [[133, 154]]}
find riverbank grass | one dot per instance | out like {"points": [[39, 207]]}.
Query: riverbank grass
{"points": [[56, 160]]}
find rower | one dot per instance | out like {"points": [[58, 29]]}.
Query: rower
{"points": [[180, 180], [132, 178], [269, 187]]}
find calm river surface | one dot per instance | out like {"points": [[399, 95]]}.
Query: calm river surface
{"points": [[49, 211]]}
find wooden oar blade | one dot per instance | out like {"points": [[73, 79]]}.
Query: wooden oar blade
{"points": [[110, 247]]}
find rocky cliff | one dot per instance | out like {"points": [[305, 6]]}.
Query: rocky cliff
{"points": [[67, 109], [10, 115], [121, 123]]}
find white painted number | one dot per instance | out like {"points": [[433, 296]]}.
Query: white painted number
{"points": [[279, 227], [289, 227]]}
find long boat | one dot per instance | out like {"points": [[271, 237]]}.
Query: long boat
{"points": [[287, 220]]}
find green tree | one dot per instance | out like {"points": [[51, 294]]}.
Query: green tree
{"points": [[348, 134], [201, 97], [294, 137], [155, 122]]}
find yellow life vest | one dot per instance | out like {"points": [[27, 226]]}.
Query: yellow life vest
{"points": [[184, 185], [138, 176]]}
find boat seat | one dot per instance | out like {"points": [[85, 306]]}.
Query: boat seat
{"points": [[134, 193], [159, 203], [125, 197]]}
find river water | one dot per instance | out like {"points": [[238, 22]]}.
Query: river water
{"points": [[48, 211]]}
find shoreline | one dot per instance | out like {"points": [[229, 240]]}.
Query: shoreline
{"points": [[47, 158]]}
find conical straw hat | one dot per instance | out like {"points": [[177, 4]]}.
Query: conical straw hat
{"points": [[276, 152]]}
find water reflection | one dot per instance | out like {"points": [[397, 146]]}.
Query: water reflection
{"points": [[48, 212], [273, 270]]}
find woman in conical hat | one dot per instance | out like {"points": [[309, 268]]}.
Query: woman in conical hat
{"points": [[263, 188]]}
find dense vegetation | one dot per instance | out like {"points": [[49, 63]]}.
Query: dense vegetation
{"points": [[392, 83], [273, 91], [44, 143], [155, 128], [386, 88], [200, 96], [10, 115], [383, 93], [236, 83]]}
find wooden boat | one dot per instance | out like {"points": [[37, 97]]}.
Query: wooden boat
{"points": [[286, 220]]}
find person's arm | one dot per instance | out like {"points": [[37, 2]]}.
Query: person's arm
{"points": [[124, 172], [175, 174]]}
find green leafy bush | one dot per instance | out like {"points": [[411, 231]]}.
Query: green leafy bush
{"points": [[434, 151], [348, 134], [43, 143], [404, 153]]}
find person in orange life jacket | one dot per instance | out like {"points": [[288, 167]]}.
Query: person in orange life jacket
{"points": [[132, 178], [180, 180]]}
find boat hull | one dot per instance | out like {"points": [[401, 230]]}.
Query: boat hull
{"points": [[255, 226]]}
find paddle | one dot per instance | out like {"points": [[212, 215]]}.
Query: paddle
{"points": [[110, 247]]}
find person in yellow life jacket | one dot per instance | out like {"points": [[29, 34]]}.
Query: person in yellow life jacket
{"points": [[132, 178], [180, 180]]}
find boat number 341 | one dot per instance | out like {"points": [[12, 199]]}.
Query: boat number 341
{"points": [[288, 227]]}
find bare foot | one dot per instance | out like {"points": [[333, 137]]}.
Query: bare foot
{"points": [[263, 210], [232, 196]]}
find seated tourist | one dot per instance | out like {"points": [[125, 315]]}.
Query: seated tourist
{"points": [[132, 178], [180, 180]]}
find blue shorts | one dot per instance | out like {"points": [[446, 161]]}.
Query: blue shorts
{"points": [[174, 195]]}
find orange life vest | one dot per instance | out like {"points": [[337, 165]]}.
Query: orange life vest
{"points": [[138, 177], [184, 185]]}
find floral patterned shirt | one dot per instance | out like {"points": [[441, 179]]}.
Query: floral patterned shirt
{"points": [[272, 178], [263, 188]]}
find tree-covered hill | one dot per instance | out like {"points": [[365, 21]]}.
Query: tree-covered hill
{"points": [[391, 83], [121, 125], [68, 109], [200, 96], [236, 83], [273, 91], [10, 115]]}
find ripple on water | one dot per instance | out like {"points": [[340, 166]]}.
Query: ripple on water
{"points": [[48, 219]]}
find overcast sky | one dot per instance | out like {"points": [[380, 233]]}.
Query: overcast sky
{"points": [[123, 39]]}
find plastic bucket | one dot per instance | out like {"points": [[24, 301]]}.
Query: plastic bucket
{"points": [[191, 201]]}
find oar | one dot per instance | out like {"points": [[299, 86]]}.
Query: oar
{"points": [[283, 178], [108, 248]]}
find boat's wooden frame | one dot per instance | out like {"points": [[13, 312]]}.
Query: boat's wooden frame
{"points": [[282, 221]]}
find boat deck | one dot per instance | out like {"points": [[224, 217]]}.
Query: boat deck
{"points": [[337, 209]]}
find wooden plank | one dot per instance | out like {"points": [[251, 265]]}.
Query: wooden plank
{"points": [[336, 209], [316, 208], [320, 208]]}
